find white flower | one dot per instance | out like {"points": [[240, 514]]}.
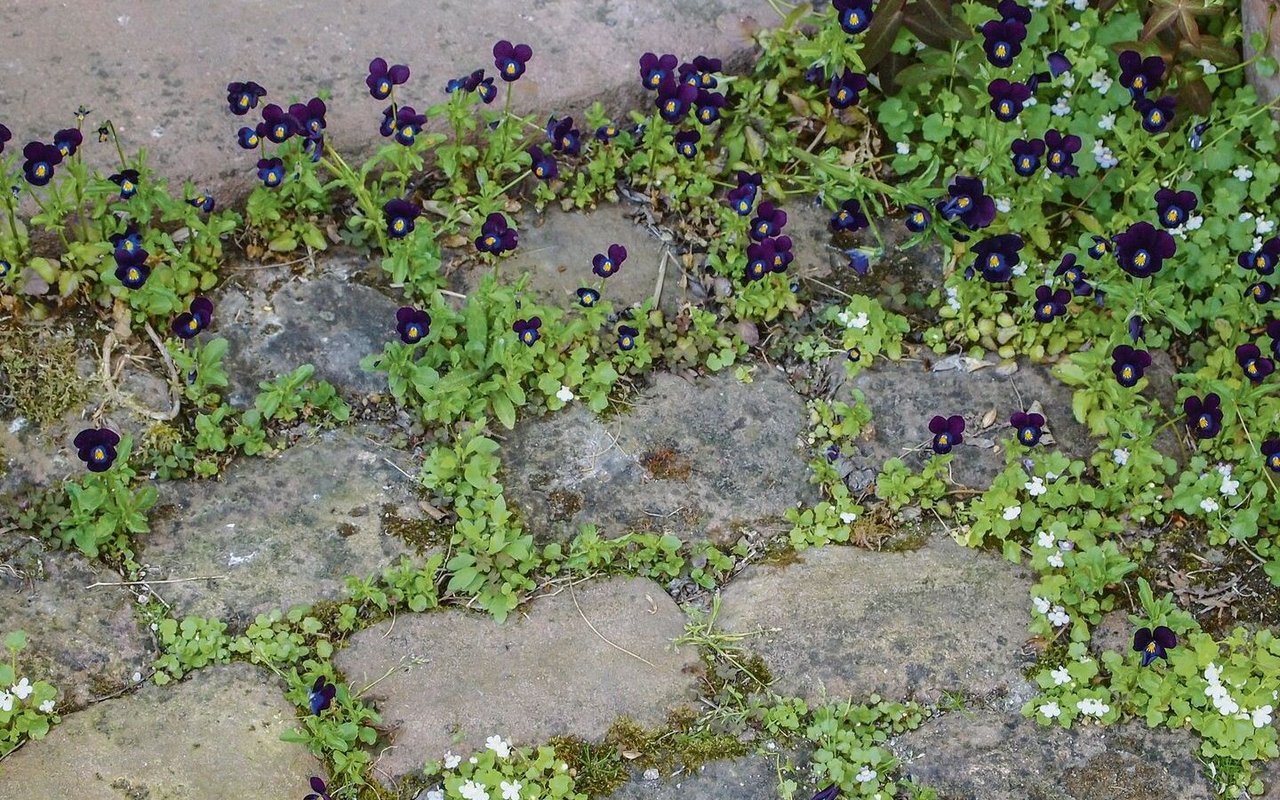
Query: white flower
{"points": [[1021, 268], [904, 148], [565, 394], [1078, 5], [510, 791], [47, 707], [1038, 3], [1245, 216], [1055, 560], [1045, 539], [1209, 505], [6, 701], [497, 745], [23, 689], [1265, 226], [1105, 158], [1068, 79], [1262, 717], [847, 517], [1012, 512], [1061, 108], [861, 321], [1003, 205], [474, 791], [1207, 66], [1107, 122], [1060, 676], [1101, 81], [1229, 486], [1213, 673], [1041, 604], [1075, 26], [473, 760], [1030, 101], [1058, 616], [1194, 223], [866, 775], [1093, 708], [1120, 455], [1066, 545], [1242, 173], [451, 761], [953, 298], [1035, 487], [1257, 243], [1051, 710]]}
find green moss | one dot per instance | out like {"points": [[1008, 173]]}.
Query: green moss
{"points": [[39, 369]]}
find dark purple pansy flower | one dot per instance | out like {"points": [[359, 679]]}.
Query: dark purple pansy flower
{"points": [[382, 79], [1196, 137], [1050, 304], [782, 255], [1271, 451], [1156, 114], [400, 216], [1256, 368], [1007, 98], [486, 89], [1129, 364], [1010, 10], [918, 218], [127, 180], [607, 132], [969, 203], [511, 59], [769, 221], [319, 791], [96, 447], [279, 124], [627, 337], [707, 107], [1264, 259], [675, 99], [1026, 156], [191, 322], [321, 695], [131, 259], [850, 217], [563, 136], [655, 69], [1204, 416], [859, 261], [527, 330], [1154, 644], [1101, 246], [816, 74], [752, 179], [408, 124], [40, 160], [1136, 325], [1058, 63], [412, 324], [310, 117], [496, 236], [1140, 75], [760, 256], [5, 136], [947, 433], [243, 97], [388, 126], [270, 172], [829, 793], [1261, 292], [588, 297], [1142, 249], [855, 15], [706, 68], [1074, 274], [1030, 427], [996, 256], [68, 141], [844, 89], [687, 143], [248, 138], [1273, 330], [606, 265], [203, 201], [1173, 208], [742, 199], [1061, 152], [543, 164], [1002, 41]]}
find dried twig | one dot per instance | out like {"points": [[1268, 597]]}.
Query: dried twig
{"points": [[148, 583]]}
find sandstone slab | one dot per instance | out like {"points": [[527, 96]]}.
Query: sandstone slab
{"points": [[752, 777]]}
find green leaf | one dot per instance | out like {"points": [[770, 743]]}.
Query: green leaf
{"points": [[284, 243], [504, 409], [16, 640]]}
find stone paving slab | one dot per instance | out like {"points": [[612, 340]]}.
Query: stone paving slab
{"points": [[698, 458], [213, 736], [990, 756], [545, 674], [283, 530], [846, 622], [160, 71], [752, 777], [83, 641]]}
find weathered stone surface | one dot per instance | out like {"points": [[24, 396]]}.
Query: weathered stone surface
{"points": [[282, 530], [544, 674], [851, 622], [903, 398], [328, 321], [83, 641], [692, 457], [1271, 780], [161, 74], [989, 756], [1254, 15], [749, 778], [216, 735]]}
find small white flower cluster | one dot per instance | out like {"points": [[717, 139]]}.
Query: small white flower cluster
{"points": [[1103, 155], [1063, 106], [473, 791], [1242, 173], [1003, 205], [565, 394], [1101, 80], [953, 298], [859, 322], [1090, 707], [1079, 5], [1264, 226], [21, 691], [1012, 512], [1120, 455], [1057, 615], [904, 148], [1035, 487], [498, 745], [1051, 710], [1045, 539], [1207, 66], [1192, 224], [1218, 693], [866, 775], [1061, 677], [1209, 505], [1229, 485], [847, 517], [1107, 122]]}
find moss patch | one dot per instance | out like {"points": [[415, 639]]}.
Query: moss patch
{"points": [[40, 378]]}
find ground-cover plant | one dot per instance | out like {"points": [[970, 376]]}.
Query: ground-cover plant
{"points": [[27, 709]]}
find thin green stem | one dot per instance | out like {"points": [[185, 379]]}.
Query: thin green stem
{"points": [[44, 210]]}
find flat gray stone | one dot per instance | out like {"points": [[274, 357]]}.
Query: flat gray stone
{"points": [[989, 756], [904, 396], [1254, 15], [215, 735], [751, 777], [83, 641], [328, 321], [852, 622], [692, 457], [543, 675], [282, 530]]}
